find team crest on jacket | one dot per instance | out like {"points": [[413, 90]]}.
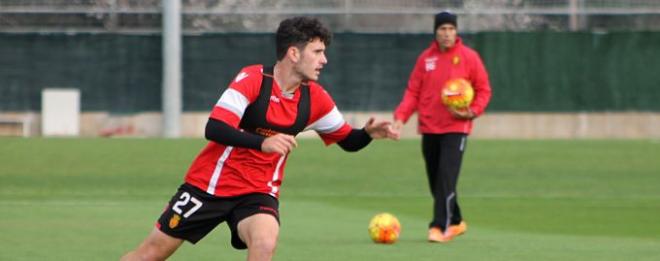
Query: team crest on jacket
{"points": [[174, 221], [456, 60], [430, 63]]}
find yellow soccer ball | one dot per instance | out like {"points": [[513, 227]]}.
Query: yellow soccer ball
{"points": [[384, 228], [457, 93]]}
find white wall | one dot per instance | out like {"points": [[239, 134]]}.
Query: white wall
{"points": [[621, 125]]}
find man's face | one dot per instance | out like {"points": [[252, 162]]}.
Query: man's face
{"points": [[446, 35], [311, 61]]}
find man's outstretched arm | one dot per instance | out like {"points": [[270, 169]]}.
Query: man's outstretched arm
{"points": [[357, 139]]}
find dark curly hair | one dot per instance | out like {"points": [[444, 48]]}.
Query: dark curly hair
{"points": [[298, 31]]}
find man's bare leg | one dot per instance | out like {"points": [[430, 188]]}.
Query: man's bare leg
{"points": [[259, 232], [157, 246]]}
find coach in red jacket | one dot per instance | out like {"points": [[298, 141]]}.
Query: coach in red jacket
{"points": [[444, 130]]}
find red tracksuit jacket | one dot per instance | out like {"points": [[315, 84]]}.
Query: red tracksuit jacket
{"points": [[432, 70]]}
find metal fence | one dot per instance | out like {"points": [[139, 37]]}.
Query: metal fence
{"points": [[387, 16]]}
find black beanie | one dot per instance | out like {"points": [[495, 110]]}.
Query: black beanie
{"points": [[444, 18]]}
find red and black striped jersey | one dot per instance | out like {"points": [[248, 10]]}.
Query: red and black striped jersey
{"points": [[223, 170]]}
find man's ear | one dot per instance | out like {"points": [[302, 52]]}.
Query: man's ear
{"points": [[293, 53]]}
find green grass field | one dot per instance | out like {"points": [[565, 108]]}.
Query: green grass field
{"points": [[94, 199]]}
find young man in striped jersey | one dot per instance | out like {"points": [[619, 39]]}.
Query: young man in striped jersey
{"points": [[236, 178]]}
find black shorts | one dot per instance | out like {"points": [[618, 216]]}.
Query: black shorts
{"points": [[192, 213]]}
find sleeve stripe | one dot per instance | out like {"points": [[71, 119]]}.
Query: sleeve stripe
{"points": [[329, 123], [234, 101]]}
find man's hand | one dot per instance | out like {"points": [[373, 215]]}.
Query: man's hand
{"points": [[397, 125], [279, 143], [380, 130], [463, 114]]}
